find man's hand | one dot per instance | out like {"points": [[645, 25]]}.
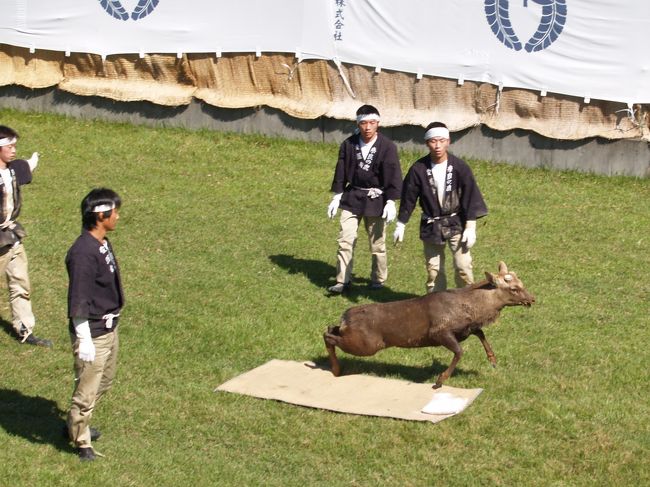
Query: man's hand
{"points": [[33, 161], [469, 235], [390, 212], [398, 234], [86, 345], [334, 205], [86, 350]]}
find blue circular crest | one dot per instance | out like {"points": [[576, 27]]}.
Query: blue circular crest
{"points": [[115, 9], [554, 13]]}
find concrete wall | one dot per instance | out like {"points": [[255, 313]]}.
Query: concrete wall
{"points": [[596, 155]]}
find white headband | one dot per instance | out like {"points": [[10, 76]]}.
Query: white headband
{"points": [[7, 141], [369, 116], [100, 208], [442, 132]]}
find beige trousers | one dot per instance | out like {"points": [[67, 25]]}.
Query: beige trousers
{"points": [[13, 265], [92, 380], [434, 256], [347, 240]]}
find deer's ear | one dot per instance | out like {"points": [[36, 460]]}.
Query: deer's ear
{"points": [[503, 268], [492, 278]]}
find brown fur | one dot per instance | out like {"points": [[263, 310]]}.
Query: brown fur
{"points": [[445, 318]]}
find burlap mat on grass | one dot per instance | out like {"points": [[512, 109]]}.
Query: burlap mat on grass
{"points": [[305, 384]]}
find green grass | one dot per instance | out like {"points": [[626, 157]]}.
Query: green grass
{"points": [[226, 251]]}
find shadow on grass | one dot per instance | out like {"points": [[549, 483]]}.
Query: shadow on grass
{"points": [[419, 374], [321, 275], [34, 418], [8, 328], [318, 272]]}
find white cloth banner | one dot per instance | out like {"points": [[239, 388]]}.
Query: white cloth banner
{"points": [[168, 26], [584, 48]]}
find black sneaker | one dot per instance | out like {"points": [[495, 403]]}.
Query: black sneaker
{"points": [[39, 342], [86, 454], [376, 285]]}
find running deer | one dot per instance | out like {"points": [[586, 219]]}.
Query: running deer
{"points": [[443, 318]]}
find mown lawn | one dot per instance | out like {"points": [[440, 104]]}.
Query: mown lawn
{"points": [[226, 252]]}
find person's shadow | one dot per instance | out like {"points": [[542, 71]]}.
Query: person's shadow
{"points": [[7, 328], [320, 274], [34, 418]]}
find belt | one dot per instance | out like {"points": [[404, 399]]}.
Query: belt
{"points": [[431, 219], [372, 192]]}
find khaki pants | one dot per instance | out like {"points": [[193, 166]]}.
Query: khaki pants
{"points": [[92, 380], [347, 240], [13, 265], [434, 256]]}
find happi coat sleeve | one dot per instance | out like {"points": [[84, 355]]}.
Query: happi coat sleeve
{"points": [[415, 187], [22, 171], [472, 204]]}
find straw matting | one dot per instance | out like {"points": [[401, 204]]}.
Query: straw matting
{"points": [[305, 384]]}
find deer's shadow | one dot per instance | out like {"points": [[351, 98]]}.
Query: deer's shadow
{"points": [[351, 365]]}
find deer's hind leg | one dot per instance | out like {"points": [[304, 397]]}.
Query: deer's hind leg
{"points": [[331, 338], [450, 343]]}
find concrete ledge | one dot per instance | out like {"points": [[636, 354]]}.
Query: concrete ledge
{"points": [[520, 147]]}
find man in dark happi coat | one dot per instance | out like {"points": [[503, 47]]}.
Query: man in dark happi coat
{"points": [[95, 299], [451, 203], [367, 181], [15, 173]]}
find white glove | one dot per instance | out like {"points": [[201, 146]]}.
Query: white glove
{"points": [[469, 235], [334, 205], [33, 161], [390, 212], [398, 234], [86, 345]]}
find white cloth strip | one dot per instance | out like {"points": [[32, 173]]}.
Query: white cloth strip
{"points": [[436, 132], [109, 319], [100, 208], [430, 219], [367, 117], [7, 141]]}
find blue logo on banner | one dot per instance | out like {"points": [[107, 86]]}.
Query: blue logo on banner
{"points": [[115, 9], [550, 27]]}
